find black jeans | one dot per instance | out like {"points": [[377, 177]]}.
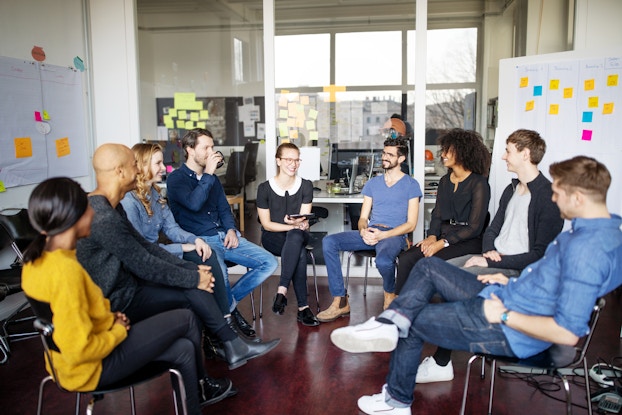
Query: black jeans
{"points": [[220, 292], [290, 246], [173, 337]]}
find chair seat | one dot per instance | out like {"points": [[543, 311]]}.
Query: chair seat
{"points": [[145, 374]]}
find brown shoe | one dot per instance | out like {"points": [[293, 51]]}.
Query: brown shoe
{"points": [[388, 299], [339, 308]]}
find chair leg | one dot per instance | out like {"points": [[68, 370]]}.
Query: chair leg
{"points": [[261, 300], [317, 296], [252, 296], [41, 386], [466, 383], [493, 372], [365, 281], [588, 392], [132, 400], [348, 270], [182, 392]]}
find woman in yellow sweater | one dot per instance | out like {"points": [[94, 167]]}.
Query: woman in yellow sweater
{"points": [[98, 346]]}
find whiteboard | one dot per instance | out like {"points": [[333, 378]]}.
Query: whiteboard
{"points": [[42, 130], [574, 100]]}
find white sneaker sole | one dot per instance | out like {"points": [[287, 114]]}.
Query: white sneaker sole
{"points": [[347, 342]]}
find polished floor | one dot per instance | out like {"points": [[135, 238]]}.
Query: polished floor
{"points": [[306, 374]]}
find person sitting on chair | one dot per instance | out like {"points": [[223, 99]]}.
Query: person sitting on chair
{"points": [[97, 347], [200, 206], [389, 213], [525, 223], [550, 303], [278, 198]]}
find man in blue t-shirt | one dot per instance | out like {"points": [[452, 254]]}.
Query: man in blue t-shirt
{"points": [[389, 212], [550, 303]]}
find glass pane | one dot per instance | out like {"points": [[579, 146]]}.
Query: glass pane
{"points": [[302, 60], [368, 58], [452, 55], [445, 108]]}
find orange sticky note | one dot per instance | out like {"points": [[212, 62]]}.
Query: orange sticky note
{"points": [[62, 147], [530, 105], [554, 109], [283, 101], [293, 133], [23, 147], [592, 102], [524, 82], [612, 80], [554, 84], [608, 108], [588, 85], [304, 99], [567, 92]]}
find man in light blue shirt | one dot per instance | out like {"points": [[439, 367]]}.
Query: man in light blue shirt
{"points": [[549, 304]]}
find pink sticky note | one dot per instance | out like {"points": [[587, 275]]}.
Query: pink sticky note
{"points": [[38, 116], [169, 169], [587, 135]]}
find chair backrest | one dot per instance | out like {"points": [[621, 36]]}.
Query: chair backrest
{"points": [[250, 149], [236, 168], [19, 229], [320, 213]]}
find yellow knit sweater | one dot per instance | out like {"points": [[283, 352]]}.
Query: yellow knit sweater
{"points": [[84, 328]]}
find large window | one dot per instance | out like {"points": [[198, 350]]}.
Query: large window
{"points": [[302, 60]]}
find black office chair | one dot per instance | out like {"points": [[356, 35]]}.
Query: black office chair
{"points": [[44, 326], [553, 360], [235, 180], [250, 174]]}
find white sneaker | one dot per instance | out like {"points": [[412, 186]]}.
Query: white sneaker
{"points": [[429, 371], [371, 336], [375, 404]]}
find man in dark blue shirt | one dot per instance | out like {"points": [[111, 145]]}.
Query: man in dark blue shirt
{"points": [[550, 303]]}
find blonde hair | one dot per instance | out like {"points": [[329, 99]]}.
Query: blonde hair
{"points": [[143, 153]]}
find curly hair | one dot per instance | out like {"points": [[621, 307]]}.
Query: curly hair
{"points": [[143, 153], [468, 150], [400, 143]]}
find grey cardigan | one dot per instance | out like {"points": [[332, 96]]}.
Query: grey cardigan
{"points": [[115, 255]]}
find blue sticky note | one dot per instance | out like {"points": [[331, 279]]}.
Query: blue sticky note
{"points": [[537, 91], [587, 116]]}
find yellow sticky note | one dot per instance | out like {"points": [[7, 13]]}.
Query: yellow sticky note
{"points": [[194, 116], [608, 108], [588, 84], [283, 114], [172, 112], [530, 105], [189, 125], [612, 80], [182, 115], [201, 124], [313, 135], [2, 188], [204, 115], [300, 122], [283, 101], [198, 105], [180, 123], [46, 115], [568, 92], [524, 82], [62, 147], [184, 100], [291, 122], [554, 84], [284, 91], [23, 147], [310, 125], [313, 114], [554, 109], [293, 134], [304, 100], [283, 130], [592, 102], [168, 121]]}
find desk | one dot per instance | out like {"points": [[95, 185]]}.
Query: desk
{"points": [[335, 204]]}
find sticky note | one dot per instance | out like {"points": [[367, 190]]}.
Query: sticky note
{"points": [[2, 188], [284, 91], [169, 169], [194, 116], [292, 107], [313, 114], [283, 114], [592, 102], [530, 105], [612, 80], [62, 147], [587, 116], [168, 121], [283, 130], [304, 100], [23, 147], [38, 116], [189, 125], [300, 122], [586, 135], [310, 125], [554, 109], [173, 112], [204, 115], [182, 115], [291, 122], [568, 92], [46, 115], [180, 123], [283, 101], [554, 84], [313, 135], [293, 133], [184, 100], [537, 91], [201, 124], [524, 82], [588, 85], [608, 108]]}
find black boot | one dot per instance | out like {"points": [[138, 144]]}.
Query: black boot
{"points": [[212, 347], [233, 326], [215, 390], [280, 301], [242, 324], [239, 350]]}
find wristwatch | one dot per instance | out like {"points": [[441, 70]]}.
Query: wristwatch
{"points": [[504, 317], [445, 243]]}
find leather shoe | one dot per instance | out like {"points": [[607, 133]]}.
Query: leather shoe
{"points": [[242, 324], [215, 390], [239, 350], [307, 318], [280, 301], [212, 347], [231, 322]]}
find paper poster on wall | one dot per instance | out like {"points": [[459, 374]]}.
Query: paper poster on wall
{"points": [[41, 107]]}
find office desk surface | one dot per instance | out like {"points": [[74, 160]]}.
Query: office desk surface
{"points": [[329, 198]]}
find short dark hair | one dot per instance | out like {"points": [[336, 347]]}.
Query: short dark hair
{"points": [[529, 139], [190, 138], [401, 143], [583, 173]]}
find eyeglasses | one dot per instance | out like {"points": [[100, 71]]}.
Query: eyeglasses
{"points": [[384, 153], [290, 161]]}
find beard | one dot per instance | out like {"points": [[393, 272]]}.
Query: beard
{"points": [[388, 165]]}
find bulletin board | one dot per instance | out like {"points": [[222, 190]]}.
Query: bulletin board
{"points": [[42, 129], [574, 100]]}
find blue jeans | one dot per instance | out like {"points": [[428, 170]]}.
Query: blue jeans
{"points": [[457, 324], [386, 252], [260, 262]]}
